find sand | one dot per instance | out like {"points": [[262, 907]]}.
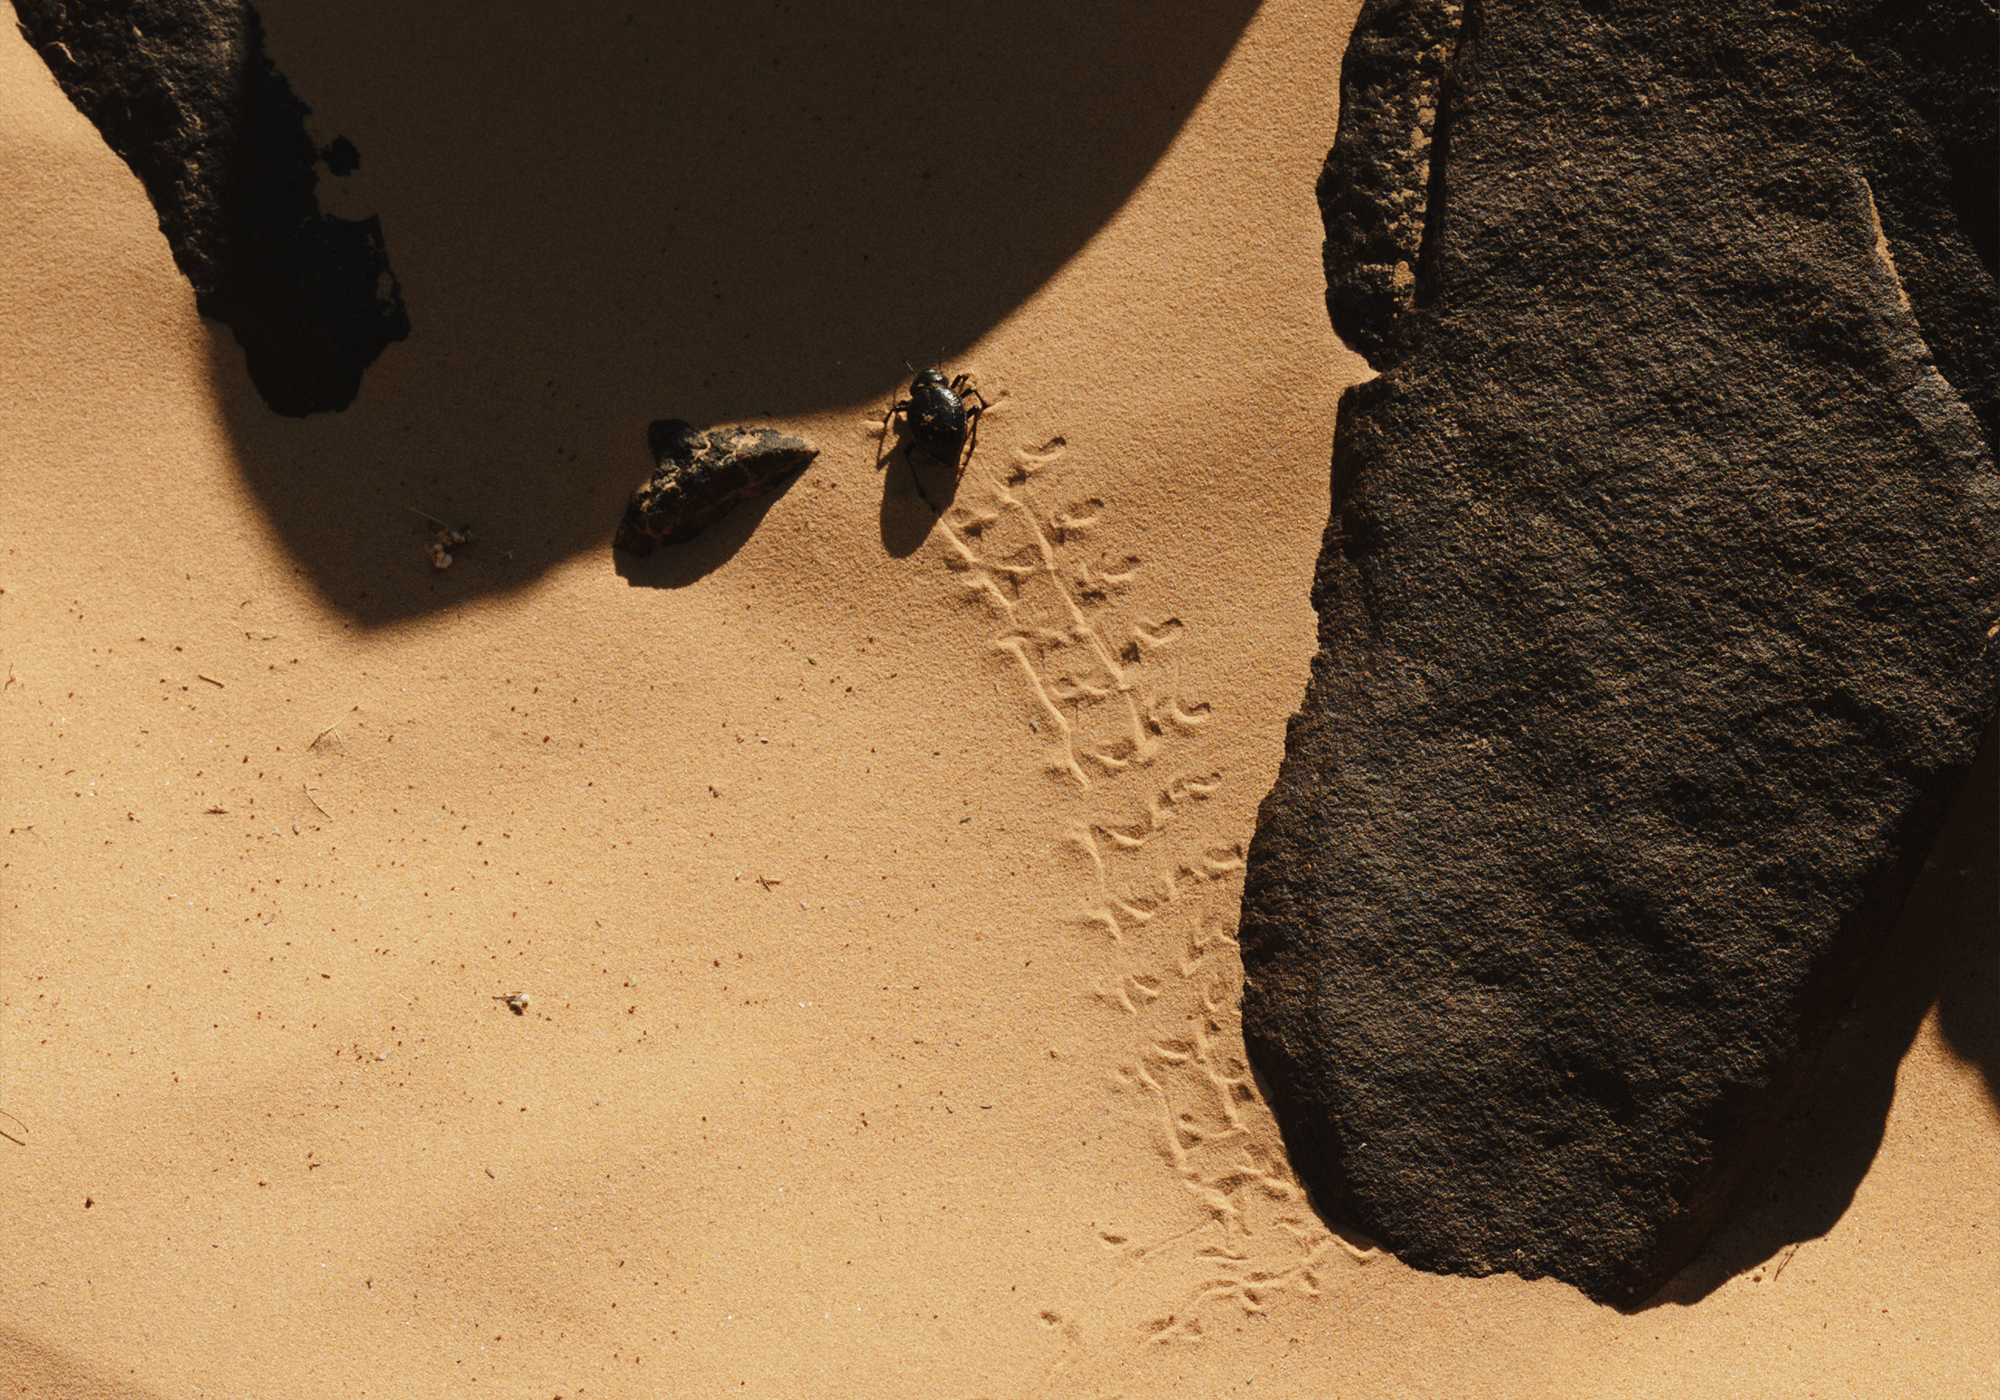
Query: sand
{"points": [[870, 877]]}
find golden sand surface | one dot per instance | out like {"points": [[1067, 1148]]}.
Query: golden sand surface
{"points": [[871, 876]]}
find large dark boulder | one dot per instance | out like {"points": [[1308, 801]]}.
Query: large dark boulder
{"points": [[183, 91], [1657, 609]]}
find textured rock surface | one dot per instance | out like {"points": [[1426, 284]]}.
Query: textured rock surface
{"points": [[1656, 606], [183, 91], [701, 477]]}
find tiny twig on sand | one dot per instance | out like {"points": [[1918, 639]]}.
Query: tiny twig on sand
{"points": [[9, 1136], [315, 801]]}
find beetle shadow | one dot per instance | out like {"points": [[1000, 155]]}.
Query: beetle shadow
{"points": [[911, 481], [1944, 953], [722, 212]]}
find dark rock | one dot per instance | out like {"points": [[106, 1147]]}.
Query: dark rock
{"points": [[183, 91], [1657, 609], [701, 477], [1375, 191]]}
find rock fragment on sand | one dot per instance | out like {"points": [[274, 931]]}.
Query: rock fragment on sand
{"points": [[1654, 608], [701, 477]]}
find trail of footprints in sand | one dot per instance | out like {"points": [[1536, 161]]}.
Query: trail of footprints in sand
{"points": [[1106, 699]]}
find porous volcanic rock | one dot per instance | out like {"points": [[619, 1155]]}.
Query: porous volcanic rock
{"points": [[701, 477], [1657, 608], [184, 93]]}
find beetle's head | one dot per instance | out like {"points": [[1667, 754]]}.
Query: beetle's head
{"points": [[929, 379]]}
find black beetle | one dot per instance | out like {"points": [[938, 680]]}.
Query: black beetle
{"points": [[939, 419]]}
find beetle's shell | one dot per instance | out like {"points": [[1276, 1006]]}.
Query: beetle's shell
{"points": [[937, 417]]}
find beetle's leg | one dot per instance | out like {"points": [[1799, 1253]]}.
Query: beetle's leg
{"points": [[962, 386], [971, 445], [885, 450], [973, 415]]}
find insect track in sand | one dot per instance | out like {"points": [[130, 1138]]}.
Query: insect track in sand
{"points": [[1105, 711], [1096, 668]]}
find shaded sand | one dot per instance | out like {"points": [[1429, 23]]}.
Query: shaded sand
{"points": [[871, 881]]}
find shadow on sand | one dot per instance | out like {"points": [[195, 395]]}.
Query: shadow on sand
{"points": [[711, 211], [1945, 952]]}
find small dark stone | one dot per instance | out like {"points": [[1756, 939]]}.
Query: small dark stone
{"points": [[1659, 609], [340, 156], [183, 91], [701, 477]]}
